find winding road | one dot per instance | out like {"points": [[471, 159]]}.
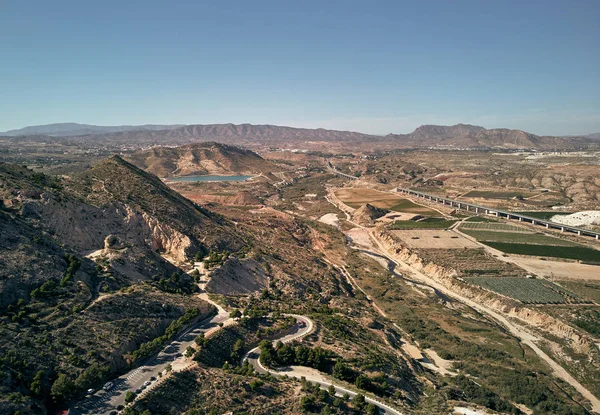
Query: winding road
{"points": [[310, 374]]}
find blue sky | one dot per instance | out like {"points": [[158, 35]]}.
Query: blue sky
{"points": [[376, 67]]}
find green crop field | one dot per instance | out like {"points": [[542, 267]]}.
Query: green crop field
{"points": [[543, 214], [491, 194], [423, 224], [568, 252], [493, 226], [517, 237], [526, 290], [475, 219]]}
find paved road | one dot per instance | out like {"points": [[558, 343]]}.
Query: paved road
{"points": [[105, 402], [309, 374]]}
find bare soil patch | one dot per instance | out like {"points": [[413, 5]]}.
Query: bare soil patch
{"points": [[433, 239], [558, 269]]}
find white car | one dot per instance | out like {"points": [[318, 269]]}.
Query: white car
{"points": [[147, 383], [90, 391]]}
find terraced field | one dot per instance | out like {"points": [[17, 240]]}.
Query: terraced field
{"points": [[517, 237], [527, 290]]}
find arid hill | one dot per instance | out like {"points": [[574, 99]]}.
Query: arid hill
{"points": [[201, 158], [367, 213]]}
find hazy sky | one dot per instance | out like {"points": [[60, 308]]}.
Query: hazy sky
{"points": [[371, 66]]}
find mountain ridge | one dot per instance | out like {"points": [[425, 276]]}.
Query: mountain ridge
{"points": [[458, 136]]}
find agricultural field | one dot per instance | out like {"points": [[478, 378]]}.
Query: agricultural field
{"points": [[494, 194], [526, 290], [480, 219], [545, 215], [428, 223], [579, 253], [356, 197], [492, 226], [517, 237], [433, 239]]}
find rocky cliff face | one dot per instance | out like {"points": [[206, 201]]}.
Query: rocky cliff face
{"points": [[447, 277]]}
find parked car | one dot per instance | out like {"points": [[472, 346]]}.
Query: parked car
{"points": [[153, 378], [108, 386], [90, 391], [138, 391], [301, 324], [147, 383]]}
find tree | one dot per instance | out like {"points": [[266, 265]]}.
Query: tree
{"points": [[62, 388], [359, 401], [37, 384], [168, 368], [342, 371], [285, 354], [372, 409], [189, 352], [308, 403], [200, 339], [362, 382], [236, 353], [129, 396], [235, 313], [338, 402], [256, 384], [268, 355]]}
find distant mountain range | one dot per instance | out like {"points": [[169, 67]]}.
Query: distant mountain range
{"points": [[457, 136], [70, 129]]}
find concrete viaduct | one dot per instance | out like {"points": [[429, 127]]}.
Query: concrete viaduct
{"points": [[476, 209], [339, 173]]}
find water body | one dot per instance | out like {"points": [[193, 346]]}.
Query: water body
{"points": [[210, 178]]}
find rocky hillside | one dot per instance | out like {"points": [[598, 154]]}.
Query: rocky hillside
{"points": [[80, 252], [202, 158]]}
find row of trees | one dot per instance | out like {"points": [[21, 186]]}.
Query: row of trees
{"points": [[295, 354]]}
